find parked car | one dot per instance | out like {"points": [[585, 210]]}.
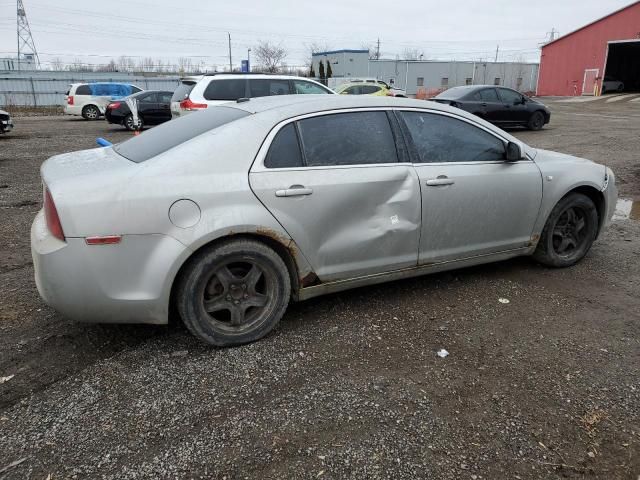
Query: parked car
{"points": [[363, 89], [229, 214], [154, 108], [202, 91], [397, 92], [90, 100], [610, 84], [498, 105], [6, 124]]}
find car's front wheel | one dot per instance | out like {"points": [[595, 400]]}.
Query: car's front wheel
{"points": [[569, 232], [233, 293], [90, 112], [536, 121]]}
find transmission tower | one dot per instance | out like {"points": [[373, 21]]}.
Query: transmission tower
{"points": [[26, 45]]}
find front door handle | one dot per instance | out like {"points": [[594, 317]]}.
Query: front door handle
{"points": [[294, 191], [441, 180]]}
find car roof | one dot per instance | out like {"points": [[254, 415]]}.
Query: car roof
{"points": [[293, 105]]}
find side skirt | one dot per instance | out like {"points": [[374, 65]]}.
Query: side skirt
{"points": [[340, 285]]}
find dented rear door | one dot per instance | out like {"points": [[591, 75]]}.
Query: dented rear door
{"points": [[347, 201]]}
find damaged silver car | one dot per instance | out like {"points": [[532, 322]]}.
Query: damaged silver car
{"points": [[230, 213]]}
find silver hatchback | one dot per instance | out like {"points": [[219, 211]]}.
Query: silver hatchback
{"points": [[230, 213]]}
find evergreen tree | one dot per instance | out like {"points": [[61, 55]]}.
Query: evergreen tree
{"points": [[321, 70], [329, 71], [312, 72]]}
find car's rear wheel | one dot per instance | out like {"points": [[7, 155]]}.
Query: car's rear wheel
{"points": [[536, 121], [569, 232], [90, 112], [233, 293], [129, 124]]}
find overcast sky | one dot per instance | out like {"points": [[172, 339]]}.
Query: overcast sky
{"points": [[463, 29]]}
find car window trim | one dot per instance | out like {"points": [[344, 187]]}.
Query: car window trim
{"points": [[257, 166], [414, 151]]}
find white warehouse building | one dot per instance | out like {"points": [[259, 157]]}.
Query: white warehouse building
{"points": [[427, 75]]}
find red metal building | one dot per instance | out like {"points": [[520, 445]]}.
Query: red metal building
{"points": [[577, 63]]}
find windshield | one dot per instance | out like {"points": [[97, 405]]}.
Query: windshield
{"points": [[171, 134]]}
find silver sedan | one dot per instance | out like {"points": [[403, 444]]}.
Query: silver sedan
{"points": [[230, 213]]}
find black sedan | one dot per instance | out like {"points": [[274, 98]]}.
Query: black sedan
{"points": [[154, 107], [499, 105]]}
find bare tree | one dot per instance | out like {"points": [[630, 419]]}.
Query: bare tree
{"points": [[410, 54], [185, 65], [57, 64], [313, 48], [270, 56], [373, 50]]}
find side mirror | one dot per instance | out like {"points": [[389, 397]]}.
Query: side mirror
{"points": [[513, 152]]}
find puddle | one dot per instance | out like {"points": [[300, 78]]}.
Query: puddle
{"points": [[627, 209]]}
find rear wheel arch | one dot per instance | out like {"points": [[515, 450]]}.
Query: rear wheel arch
{"points": [[281, 250]]}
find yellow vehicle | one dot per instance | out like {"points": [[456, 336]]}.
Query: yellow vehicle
{"points": [[364, 89]]}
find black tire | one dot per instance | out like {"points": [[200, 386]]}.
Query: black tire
{"points": [[569, 232], [91, 112], [128, 123], [244, 284], [536, 121]]}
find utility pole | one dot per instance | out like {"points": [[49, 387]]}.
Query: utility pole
{"points": [[378, 50], [248, 60], [25, 39], [497, 50], [552, 34], [230, 61]]}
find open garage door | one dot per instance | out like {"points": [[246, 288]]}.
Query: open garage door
{"points": [[622, 71]]}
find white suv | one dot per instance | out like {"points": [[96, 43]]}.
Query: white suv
{"points": [[90, 100], [199, 92]]}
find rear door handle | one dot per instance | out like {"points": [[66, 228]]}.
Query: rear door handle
{"points": [[437, 182], [294, 191]]}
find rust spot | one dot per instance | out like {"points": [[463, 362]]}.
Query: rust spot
{"points": [[309, 280], [534, 240]]}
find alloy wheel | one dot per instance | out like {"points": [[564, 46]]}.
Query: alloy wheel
{"points": [[569, 232]]}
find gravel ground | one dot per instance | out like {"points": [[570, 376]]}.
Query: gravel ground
{"points": [[349, 385]]}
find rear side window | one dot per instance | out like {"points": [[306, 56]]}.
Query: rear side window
{"points": [[231, 89], [171, 134], [369, 89], [182, 92], [268, 87], [285, 150], [439, 138], [489, 95], [164, 97], [83, 90], [348, 139]]}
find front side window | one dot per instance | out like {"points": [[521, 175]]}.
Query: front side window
{"points": [[164, 97], [268, 87], [223, 89], [354, 138], [284, 151], [509, 96], [301, 87], [439, 138], [135, 89]]}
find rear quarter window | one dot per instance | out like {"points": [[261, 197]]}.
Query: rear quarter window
{"points": [[83, 90], [225, 89], [171, 134]]}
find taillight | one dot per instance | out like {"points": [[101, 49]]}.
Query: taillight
{"points": [[70, 100], [51, 216], [187, 104], [113, 105]]}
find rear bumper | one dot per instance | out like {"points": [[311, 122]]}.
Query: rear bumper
{"points": [[125, 283]]}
